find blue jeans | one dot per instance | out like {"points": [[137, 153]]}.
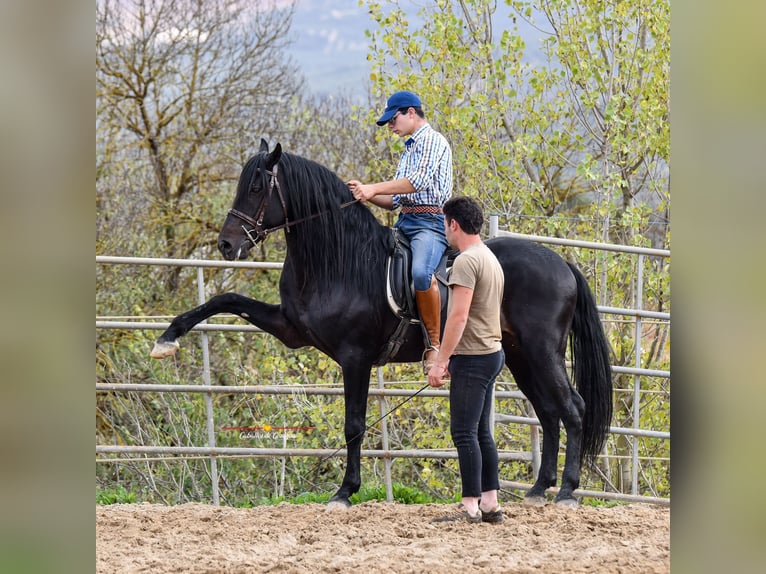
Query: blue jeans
{"points": [[470, 404], [425, 231]]}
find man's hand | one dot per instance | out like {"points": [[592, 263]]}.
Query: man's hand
{"points": [[436, 375]]}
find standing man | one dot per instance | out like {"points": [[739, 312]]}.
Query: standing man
{"points": [[423, 182], [471, 354]]}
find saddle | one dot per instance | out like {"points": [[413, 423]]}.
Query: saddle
{"points": [[400, 289]]}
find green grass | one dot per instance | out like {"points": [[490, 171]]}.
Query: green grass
{"points": [[115, 495], [402, 494], [601, 503]]}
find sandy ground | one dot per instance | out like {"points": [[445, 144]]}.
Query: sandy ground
{"points": [[380, 537]]}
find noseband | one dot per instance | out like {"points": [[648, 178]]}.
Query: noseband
{"points": [[257, 221]]}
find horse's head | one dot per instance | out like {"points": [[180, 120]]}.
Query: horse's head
{"points": [[259, 206]]}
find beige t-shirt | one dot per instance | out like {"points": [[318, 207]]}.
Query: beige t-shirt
{"points": [[478, 269]]}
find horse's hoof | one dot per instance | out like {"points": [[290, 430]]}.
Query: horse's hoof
{"points": [[535, 501], [567, 503], [338, 506], [164, 349]]}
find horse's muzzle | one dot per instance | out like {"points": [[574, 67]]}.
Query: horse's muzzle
{"points": [[231, 253]]}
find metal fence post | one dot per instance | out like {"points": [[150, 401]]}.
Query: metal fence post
{"points": [[636, 379], [493, 227], [208, 396], [534, 436], [384, 431], [492, 411]]}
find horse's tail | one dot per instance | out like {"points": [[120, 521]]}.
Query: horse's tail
{"points": [[592, 371]]}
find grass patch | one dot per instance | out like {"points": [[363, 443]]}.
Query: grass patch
{"points": [[115, 495], [601, 503], [401, 493]]}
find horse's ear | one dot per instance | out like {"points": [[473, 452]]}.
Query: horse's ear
{"points": [[264, 145], [274, 156]]}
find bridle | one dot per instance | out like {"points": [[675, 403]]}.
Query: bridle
{"points": [[257, 221]]}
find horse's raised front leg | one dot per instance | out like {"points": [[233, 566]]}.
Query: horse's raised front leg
{"points": [[356, 382], [270, 318]]}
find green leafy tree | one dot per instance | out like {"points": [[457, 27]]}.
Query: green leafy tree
{"points": [[581, 130], [574, 145]]}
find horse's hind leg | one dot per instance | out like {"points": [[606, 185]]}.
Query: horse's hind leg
{"points": [[557, 400], [527, 383], [546, 477], [572, 417], [546, 384]]}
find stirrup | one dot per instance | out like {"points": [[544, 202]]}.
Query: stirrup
{"points": [[427, 366]]}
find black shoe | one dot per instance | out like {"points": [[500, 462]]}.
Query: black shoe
{"points": [[492, 517]]}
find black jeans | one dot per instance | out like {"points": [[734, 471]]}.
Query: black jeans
{"points": [[470, 403]]}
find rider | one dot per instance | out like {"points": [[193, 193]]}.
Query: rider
{"points": [[421, 186]]}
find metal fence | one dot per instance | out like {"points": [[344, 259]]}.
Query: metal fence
{"points": [[382, 393]]}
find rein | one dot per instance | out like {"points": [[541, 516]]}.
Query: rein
{"points": [[257, 221], [376, 421]]}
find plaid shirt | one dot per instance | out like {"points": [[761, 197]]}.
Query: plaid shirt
{"points": [[427, 163]]}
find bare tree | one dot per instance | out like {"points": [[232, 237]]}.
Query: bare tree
{"points": [[183, 87]]}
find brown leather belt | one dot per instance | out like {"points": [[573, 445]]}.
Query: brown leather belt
{"points": [[421, 209]]}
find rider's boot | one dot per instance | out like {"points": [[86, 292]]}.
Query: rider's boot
{"points": [[429, 307]]}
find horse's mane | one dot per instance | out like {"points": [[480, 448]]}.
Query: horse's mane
{"points": [[339, 247]]}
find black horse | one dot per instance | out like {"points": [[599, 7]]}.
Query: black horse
{"points": [[333, 297]]}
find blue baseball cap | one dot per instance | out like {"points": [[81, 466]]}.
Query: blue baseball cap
{"points": [[397, 101]]}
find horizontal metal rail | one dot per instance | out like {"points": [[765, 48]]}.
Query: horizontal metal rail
{"points": [[118, 260], [634, 312], [282, 452], [157, 326], [642, 372], [588, 244], [281, 390], [162, 325], [500, 418], [592, 493]]}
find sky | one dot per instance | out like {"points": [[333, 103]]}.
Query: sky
{"points": [[330, 45]]}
